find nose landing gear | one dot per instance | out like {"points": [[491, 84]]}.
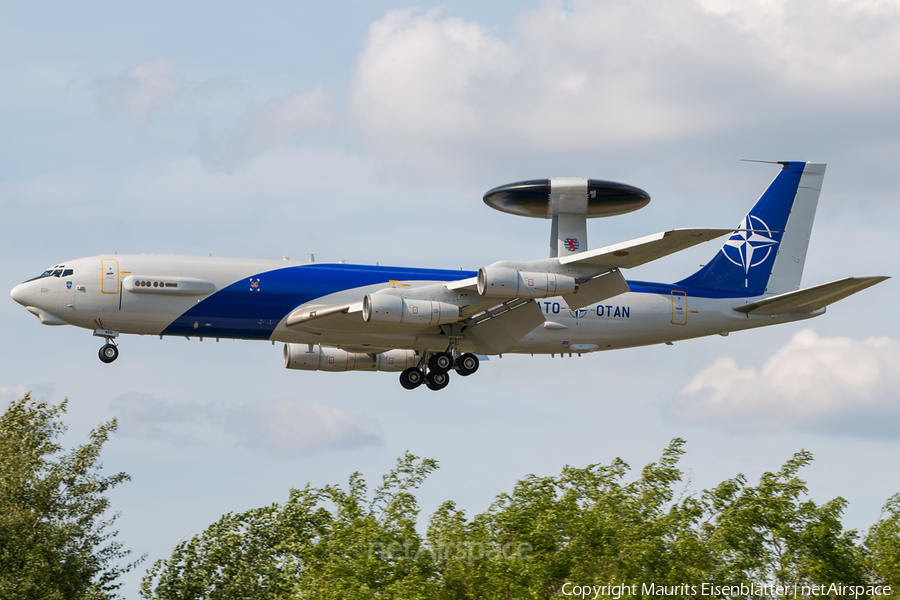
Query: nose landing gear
{"points": [[109, 352]]}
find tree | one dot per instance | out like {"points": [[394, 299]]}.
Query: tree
{"points": [[882, 548], [768, 534], [322, 543], [56, 541], [587, 526]]}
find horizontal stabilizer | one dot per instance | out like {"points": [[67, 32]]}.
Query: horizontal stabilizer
{"points": [[633, 253], [809, 299]]}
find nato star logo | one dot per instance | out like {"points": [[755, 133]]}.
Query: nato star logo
{"points": [[747, 248]]}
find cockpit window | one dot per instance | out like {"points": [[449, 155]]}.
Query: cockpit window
{"points": [[55, 271]]}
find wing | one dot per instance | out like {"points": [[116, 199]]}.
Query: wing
{"points": [[633, 253]]}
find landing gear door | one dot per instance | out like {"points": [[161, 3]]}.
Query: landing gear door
{"points": [[679, 308], [110, 267]]}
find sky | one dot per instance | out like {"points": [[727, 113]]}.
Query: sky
{"points": [[368, 132]]}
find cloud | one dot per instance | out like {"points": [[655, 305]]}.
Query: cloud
{"points": [[284, 118], [8, 393], [12, 392], [287, 428], [425, 71], [233, 126], [277, 122], [147, 88], [830, 385], [141, 415], [620, 74], [293, 428], [136, 92]]}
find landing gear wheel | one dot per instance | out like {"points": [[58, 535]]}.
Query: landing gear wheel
{"points": [[440, 362], [109, 353], [437, 381], [411, 378], [467, 364]]}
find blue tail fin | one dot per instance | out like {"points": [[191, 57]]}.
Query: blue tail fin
{"points": [[778, 225]]}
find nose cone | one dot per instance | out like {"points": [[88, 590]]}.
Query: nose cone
{"points": [[23, 294]]}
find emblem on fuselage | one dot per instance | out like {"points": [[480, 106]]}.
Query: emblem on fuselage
{"points": [[254, 285], [68, 285], [578, 313], [747, 248], [571, 244]]}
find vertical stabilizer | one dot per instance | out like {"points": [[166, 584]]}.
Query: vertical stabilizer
{"points": [[788, 267], [765, 254]]}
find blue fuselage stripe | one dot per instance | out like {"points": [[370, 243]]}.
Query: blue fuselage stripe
{"points": [[251, 308]]}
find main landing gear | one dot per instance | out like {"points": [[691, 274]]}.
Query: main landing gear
{"points": [[436, 375]]}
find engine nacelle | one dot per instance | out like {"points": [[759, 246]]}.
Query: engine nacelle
{"points": [[325, 358], [395, 310], [503, 282]]}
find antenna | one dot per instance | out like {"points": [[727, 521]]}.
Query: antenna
{"points": [[783, 163]]}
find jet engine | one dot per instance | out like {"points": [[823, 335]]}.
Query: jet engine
{"points": [[395, 310], [503, 282], [324, 358]]}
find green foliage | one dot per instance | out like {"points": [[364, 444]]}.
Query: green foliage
{"points": [[354, 548], [54, 539], [767, 533], [587, 526], [882, 548]]}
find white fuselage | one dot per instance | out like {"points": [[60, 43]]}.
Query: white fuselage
{"points": [[251, 299]]}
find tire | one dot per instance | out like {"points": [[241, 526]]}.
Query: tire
{"points": [[467, 364], [437, 381], [411, 378], [441, 362], [108, 353]]}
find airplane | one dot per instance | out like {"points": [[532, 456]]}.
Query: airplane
{"points": [[427, 323]]}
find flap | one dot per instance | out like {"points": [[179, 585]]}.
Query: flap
{"points": [[503, 327], [809, 299], [632, 253]]}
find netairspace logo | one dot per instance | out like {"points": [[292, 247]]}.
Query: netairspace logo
{"points": [[465, 551], [621, 590]]}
